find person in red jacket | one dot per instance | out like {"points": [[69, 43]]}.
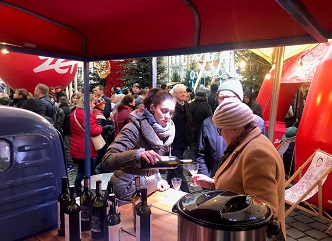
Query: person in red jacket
{"points": [[77, 147]]}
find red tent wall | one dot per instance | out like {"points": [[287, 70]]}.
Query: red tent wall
{"points": [[315, 128]]}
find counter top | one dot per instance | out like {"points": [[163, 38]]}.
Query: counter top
{"points": [[164, 221]]}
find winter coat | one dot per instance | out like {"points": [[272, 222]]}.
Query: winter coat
{"points": [[47, 105], [122, 156], [107, 110], [212, 100], [18, 102], [77, 146], [255, 168], [121, 118], [200, 110], [66, 122], [184, 126], [211, 148], [254, 106]]}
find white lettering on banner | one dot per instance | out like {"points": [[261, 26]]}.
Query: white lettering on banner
{"points": [[58, 66]]}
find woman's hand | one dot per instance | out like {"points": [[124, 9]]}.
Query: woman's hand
{"points": [[162, 185], [150, 156], [203, 181]]}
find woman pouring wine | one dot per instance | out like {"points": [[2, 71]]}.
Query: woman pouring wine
{"points": [[150, 130]]}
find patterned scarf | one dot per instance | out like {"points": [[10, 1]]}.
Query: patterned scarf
{"points": [[162, 132], [231, 147]]}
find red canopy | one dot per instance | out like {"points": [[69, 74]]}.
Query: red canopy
{"points": [[114, 29]]}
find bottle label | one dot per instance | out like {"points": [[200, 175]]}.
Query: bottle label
{"points": [[67, 227], [85, 215], [72, 226], [59, 220], [143, 227], [114, 232], [95, 224], [137, 201]]}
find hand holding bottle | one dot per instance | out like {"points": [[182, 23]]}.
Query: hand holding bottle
{"points": [[150, 156]]}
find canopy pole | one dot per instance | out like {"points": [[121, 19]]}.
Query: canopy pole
{"points": [[87, 120], [154, 72], [278, 62]]}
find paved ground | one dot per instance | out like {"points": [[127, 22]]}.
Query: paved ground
{"points": [[300, 225]]}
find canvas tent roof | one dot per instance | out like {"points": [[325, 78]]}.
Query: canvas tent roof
{"points": [[114, 29]]}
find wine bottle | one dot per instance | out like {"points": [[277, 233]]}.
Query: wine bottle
{"points": [[167, 162], [113, 221], [109, 190], [98, 213], [136, 199], [143, 219], [73, 218], [63, 201], [86, 205]]}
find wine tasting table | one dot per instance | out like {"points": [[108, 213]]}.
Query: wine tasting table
{"points": [[164, 221]]}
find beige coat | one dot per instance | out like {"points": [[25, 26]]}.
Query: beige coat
{"points": [[255, 168]]}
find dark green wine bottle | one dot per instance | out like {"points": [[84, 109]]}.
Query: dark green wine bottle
{"points": [[63, 201], [143, 219], [73, 218], [98, 214], [136, 199], [86, 205], [113, 221]]}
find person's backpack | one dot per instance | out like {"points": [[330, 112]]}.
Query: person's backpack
{"points": [[58, 116]]}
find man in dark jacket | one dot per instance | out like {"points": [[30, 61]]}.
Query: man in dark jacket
{"points": [[254, 106], [63, 104], [183, 132], [200, 110], [98, 91], [41, 92], [212, 97], [211, 145]]}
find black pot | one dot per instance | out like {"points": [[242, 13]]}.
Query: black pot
{"points": [[218, 215]]}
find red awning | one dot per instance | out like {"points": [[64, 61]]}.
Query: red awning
{"points": [[113, 29]]}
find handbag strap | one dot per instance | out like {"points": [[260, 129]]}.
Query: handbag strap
{"points": [[77, 121]]}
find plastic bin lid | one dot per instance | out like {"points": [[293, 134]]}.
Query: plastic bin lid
{"points": [[224, 210]]}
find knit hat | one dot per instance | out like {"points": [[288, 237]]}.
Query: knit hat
{"points": [[232, 114], [34, 105], [233, 85], [100, 102]]}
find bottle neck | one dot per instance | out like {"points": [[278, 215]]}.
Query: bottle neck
{"points": [[110, 188], [86, 183], [137, 183], [72, 194], [144, 197], [98, 188], [64, 185]]}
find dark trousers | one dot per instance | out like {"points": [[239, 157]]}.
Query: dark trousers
{"points": [[178, 172], [80, 174]]}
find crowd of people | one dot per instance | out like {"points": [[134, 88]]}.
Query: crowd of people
{"points": [[221, 128]]}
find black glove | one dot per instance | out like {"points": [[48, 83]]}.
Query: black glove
{"points": [[107, 128]]}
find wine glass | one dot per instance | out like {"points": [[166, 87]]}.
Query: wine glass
{"points": [[176, 182], [193, 169]]}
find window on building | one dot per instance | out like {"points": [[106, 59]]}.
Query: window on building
{"points": [[5, 157], [79, 71]]}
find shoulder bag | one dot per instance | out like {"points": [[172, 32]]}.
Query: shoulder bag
{"points": [[98, 141]]}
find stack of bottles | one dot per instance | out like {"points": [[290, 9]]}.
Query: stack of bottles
{"points": [[97, 213]]}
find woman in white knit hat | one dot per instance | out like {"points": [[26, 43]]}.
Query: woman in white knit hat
{"points": [[251, 165]]}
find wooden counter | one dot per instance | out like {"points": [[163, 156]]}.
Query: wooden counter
{"points": [[164, 221]]}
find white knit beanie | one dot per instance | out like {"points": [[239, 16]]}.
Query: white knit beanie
{"points": [[233, 85], [232, 114]]}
